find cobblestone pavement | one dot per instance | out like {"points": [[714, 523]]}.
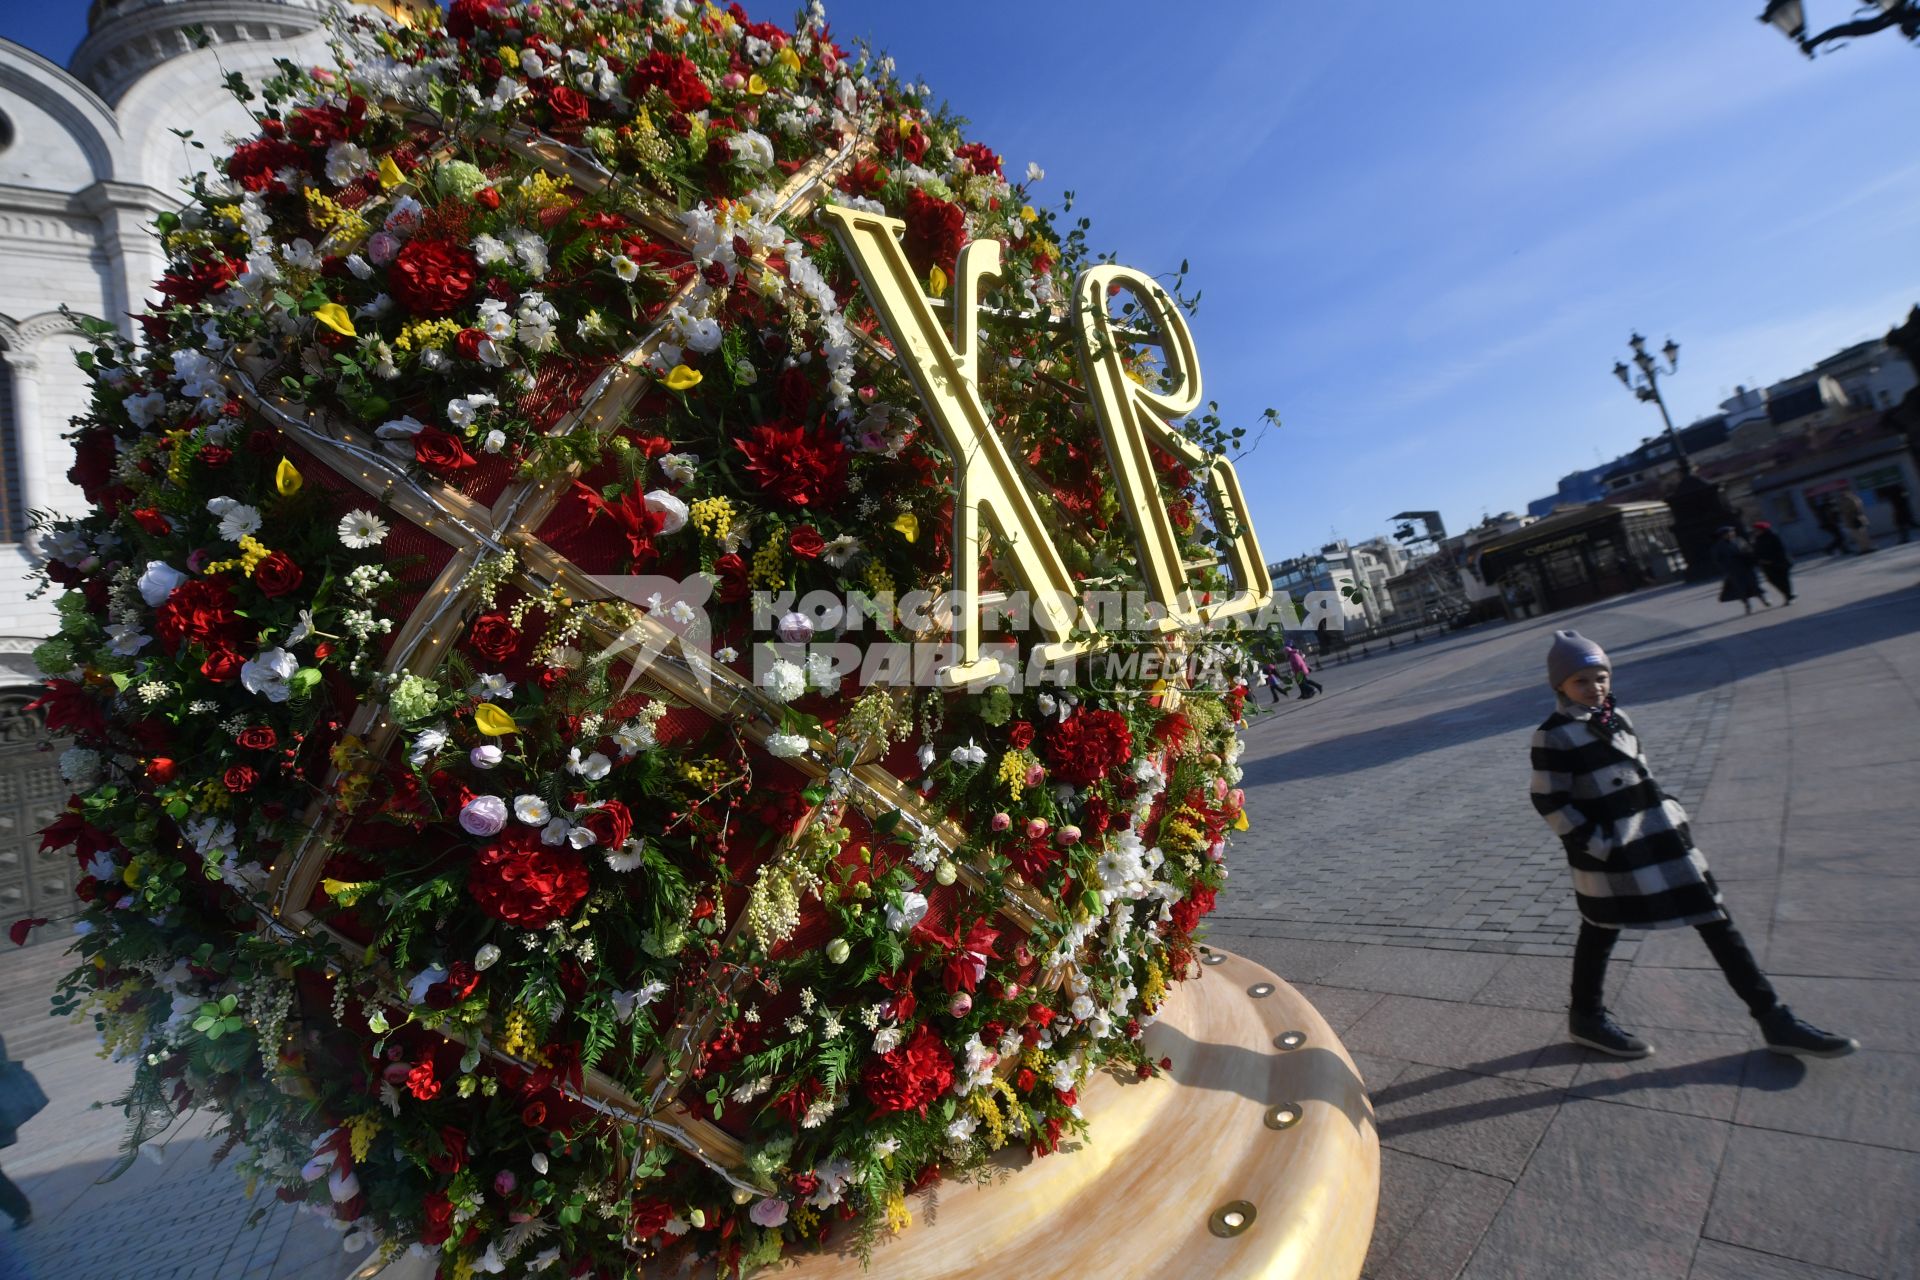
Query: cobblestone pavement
{"points": [[1397, 874]]}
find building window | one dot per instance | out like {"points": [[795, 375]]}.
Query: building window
{"points": [[6, 131], [13, 516]]}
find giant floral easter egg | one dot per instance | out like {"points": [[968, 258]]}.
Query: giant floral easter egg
{"points": [[541, 769]]}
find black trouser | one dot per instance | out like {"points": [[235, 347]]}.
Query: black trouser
{"points": [[1723, 940], [13, 1200]]}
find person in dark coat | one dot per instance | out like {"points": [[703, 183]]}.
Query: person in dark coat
{"points": [[1771, 555], [1829, 521], [20, 1098], [1274, 686], [1735, 562], [1633, 859], [1895, 496]]}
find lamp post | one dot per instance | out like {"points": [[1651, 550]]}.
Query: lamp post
{"points": [[1789, 17], [1698, 509]]}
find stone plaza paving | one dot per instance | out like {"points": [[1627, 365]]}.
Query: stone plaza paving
{"points": [[1397, 873]]}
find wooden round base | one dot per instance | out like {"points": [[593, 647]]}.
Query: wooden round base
{"points": [[1255, 1155]]}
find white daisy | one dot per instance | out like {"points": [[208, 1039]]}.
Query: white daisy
{"points": [[360, 530]]}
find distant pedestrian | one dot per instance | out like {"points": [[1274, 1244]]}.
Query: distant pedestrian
{"points": [[1274, 686], [1895, 496], [1828, 519], [1770, 553], [21, 1098], [1734, 559], [1302, 677], [1633, 859], [1853, 519]]}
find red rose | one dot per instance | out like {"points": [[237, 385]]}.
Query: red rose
{"points": [[432, 277], [911, 1076], [795, 466], [454, 1157], [675, 75], [421, 1083], [1025, 1080], [1083, 747], [258, 738], [216, 456], [438, 1224], [806, 542], [438, 450], [534, 1114], [650, 1217], [240, 778], [936, 229], [487, 198], [222, 665], [611, 824], [277, 574], [732, 570], [525, 883], [1020, 735], [160, 769], [493, 637], [198, 612], [461, 980], [569, 105], [464, 17], [467, 343]]}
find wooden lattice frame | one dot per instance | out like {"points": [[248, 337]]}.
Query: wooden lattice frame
{"points": [[476, 532]]}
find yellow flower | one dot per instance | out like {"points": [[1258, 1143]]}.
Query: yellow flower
{"points": [[756, 84], [492, 721], [936, 281], [907, 525], [509, 56], [287, 479], [390, 175], [335, 317], [681, 378], [1027, 214], [1240, 820], [788, 58]]}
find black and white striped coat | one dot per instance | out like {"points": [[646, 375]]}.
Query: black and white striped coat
{"points": [[1633, 858]]}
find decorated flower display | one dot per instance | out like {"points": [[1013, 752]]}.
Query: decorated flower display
{"points": [[475, 811]]}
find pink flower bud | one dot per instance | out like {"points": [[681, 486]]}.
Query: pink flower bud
{"points": [[1035, 775], [961, 1004], [504, 1182], [1001, 821], [1066, 836], [1036, 827]]}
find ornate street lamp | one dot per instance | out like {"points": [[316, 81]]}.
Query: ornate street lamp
{"points": [[1698, 508], [1789, 17]]}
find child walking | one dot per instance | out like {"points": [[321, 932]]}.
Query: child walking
{"points": [[1633, 858]]}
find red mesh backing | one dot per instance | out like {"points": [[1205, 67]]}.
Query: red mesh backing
{"points": [[558, 388]]}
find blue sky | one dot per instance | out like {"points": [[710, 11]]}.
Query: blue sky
{"points": [[1425, 231]]}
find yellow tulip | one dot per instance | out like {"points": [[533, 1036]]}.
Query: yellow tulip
{"points": [[390, 175], [287, 478], [907, 525], [1240, 821], [936, 281], [335, 317], [681, 378], [492, 721], [756, 85]]}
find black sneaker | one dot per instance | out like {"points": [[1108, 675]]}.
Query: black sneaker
{"points": [[1787, 1034], [1600, 1031]]}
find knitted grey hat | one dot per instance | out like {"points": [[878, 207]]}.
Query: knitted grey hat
{"points": [[1571, 653]]}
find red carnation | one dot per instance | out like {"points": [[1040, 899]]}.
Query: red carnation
{"points": [[806, 542], [198, 612], [525, 883], [254, 163], [277, 574], [1186, 914], [1084, 747], [795, 466], [432, 277], [493, 637], [910, 1077], [438, 450], [420, 1081], [936, 229], [673, 73]]}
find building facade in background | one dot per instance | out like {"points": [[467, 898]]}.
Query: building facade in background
{"points": [[89, 154]]}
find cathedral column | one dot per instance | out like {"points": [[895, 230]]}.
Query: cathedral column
{"points": [[27, 438], [125, 212]]}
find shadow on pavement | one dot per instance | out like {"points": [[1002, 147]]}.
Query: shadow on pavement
{"points": [[1788, 1074], [1685, 669]]}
